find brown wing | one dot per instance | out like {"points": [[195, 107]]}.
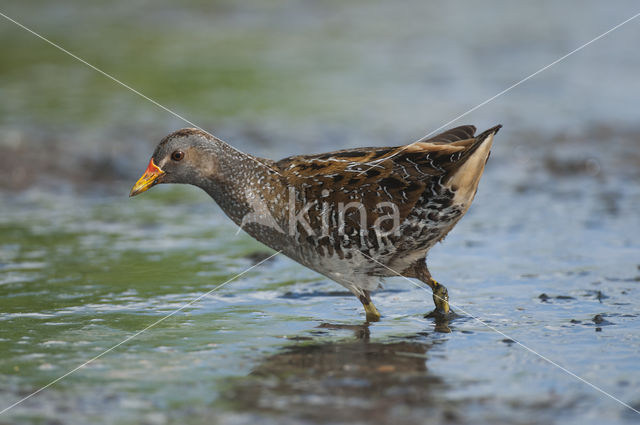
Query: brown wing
{"points": [[373, 175]]}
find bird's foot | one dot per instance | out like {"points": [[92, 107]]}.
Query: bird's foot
{"points": [[441, 298], [372, 312], [442, 313], [438, 315]]}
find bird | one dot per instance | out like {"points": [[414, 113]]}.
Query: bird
{"points": [[356, 216]]}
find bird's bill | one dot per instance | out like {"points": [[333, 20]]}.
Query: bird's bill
{"points": [[148, 179]]}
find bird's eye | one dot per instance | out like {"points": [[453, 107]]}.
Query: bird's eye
{"points": [[177, 155]]}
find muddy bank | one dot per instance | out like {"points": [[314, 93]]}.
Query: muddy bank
{"points": [[595, 152]]}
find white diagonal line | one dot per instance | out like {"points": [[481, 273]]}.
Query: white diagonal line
{"points": [[129, 338], [109, 76], [511, 87], [531, 350], [254, 159], [114, 79]]}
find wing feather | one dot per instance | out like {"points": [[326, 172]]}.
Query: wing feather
{"points": [[373, 175]]}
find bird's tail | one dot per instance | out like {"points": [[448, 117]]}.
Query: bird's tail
{"points": [[465, 172]]}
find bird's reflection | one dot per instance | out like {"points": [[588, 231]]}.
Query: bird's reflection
{"points": [[354, 379], [360, 332], [441, 323]]}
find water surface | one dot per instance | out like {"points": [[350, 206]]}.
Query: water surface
{"points": [[547, 256]]}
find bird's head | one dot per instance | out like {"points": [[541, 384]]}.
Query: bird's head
{"points": [[185, 156]]}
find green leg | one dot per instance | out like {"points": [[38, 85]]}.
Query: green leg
{"points": [[440, 297], [440, 293], [371, 311]]}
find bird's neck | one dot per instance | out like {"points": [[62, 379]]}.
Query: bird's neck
{"points": [[240, 179]]}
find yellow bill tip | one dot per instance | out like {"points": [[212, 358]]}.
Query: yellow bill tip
{"points": [[148, 179]]}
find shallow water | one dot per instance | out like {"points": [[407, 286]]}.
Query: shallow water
{"points": [[548, 255], [283, 344]]}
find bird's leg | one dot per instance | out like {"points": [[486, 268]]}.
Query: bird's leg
{"points": [[369, 308], [440, 293]]}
